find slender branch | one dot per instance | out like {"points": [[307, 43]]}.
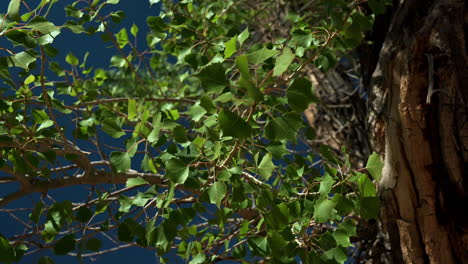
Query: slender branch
{"points": [[99, 177], [114, 100]]}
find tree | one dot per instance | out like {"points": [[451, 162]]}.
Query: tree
{"points": [[418, 84], [194, 147]]}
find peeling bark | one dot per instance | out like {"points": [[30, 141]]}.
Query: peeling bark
{"points": [[423, 187]]}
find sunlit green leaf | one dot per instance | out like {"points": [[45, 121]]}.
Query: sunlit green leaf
{"points": [[71, 59], [135, 182], [134, 30], [243, 36], [374, 166], [230, 47], [13, 10]]}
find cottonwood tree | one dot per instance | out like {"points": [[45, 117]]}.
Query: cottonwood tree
{"points": [[416, 75], [193, 146]]}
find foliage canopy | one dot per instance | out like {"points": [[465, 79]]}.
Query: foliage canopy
{"points": [[191, 143]]}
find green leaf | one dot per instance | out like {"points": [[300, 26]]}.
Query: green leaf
{"points": [[84, 214], [233, 125], [366, 186], [300, 94], [94, 244], [230, 47], [198, 259], [338, 254], [132, 110], [213, 78], [147, 164], [154, 1], [135, 182], [283, 127], [36, 213], [134, 30], [156, 24], [22, 59], [13, 10], [45, 124], [301, 39], [245, 80], [177, 170], [45, 27], [326, 184], [283, 61], [243, 66], [261, 55], [277, 150], [30, 79], [207, 104], [266, 167], [259, 245], [252, 91], [216, 192], [21, 37], [369, 207], [113, 2], [110, 126], [323, 210], [120, 161], [180, 134], [342, 238], [197, 112], [243, 36], [154, 135], [71, 59], [65, 245], [122, 38], [374, 166]]}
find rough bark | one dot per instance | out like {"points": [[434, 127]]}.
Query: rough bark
{"points": [[423, 134]]}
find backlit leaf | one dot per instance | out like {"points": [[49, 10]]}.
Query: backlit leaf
{"points": [[230, 47], [135, 182]]}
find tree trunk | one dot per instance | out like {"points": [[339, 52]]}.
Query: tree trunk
{"points": [[419, 96]]}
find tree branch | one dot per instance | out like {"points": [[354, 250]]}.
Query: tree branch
{"points": [[99, 177]]}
